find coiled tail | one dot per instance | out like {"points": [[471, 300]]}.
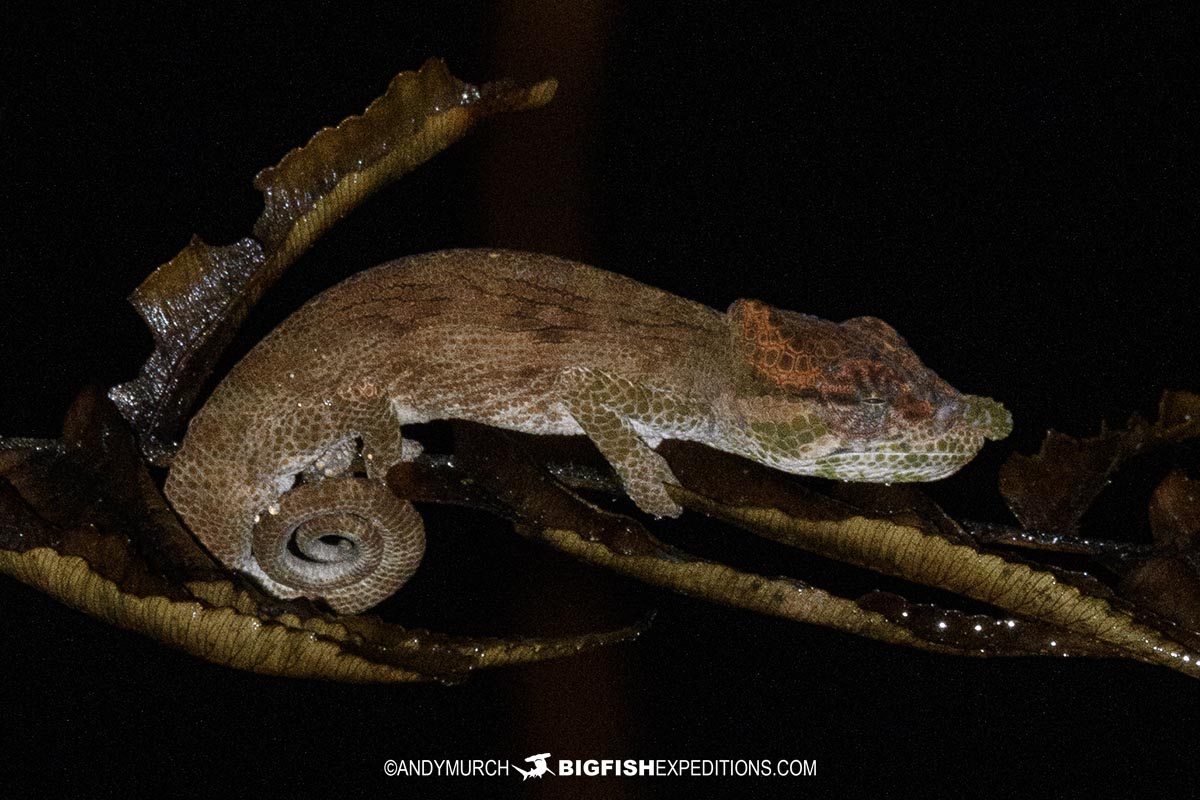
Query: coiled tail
{"points": [[346, 540]]}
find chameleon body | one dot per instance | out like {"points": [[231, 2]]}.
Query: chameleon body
{"points": [[541, 345]]}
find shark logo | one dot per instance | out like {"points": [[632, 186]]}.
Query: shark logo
{"points": [[539, 767]]}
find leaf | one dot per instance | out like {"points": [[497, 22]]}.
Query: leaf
{"points": [[496, 470], [1175, 513], [1169, 582], [195, 302], [907, 545], [1052, 490], [82, 520]]}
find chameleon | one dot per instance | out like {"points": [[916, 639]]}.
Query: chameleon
{"points": [[270, 474]]}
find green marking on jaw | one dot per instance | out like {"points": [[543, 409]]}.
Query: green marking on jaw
{"points": [[917, 457], [826, 471], [988, 417], [891, 466], [791, 436]]}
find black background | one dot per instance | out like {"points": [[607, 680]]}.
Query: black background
{"points": [[1015, 193]]}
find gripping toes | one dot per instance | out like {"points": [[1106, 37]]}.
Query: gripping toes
{"points": [[645, 480]]}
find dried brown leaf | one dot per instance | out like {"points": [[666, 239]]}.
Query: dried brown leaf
{"points": [[194, 303], [1175, 512], [82, 520], [1052, 490], [1169, 586], [1169, 582]]}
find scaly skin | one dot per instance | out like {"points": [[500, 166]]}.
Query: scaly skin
{"points": [[535, 344]]}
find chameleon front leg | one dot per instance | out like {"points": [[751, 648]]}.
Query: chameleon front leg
{"points": [[610, 408]]}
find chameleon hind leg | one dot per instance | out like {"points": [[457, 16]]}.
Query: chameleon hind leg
{"points": [[338, 537]]}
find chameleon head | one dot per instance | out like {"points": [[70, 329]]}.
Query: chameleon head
{"points": [[850, 400]]}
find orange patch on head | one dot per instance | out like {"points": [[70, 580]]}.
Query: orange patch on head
{"points": [[849, 362], [773, 351]]}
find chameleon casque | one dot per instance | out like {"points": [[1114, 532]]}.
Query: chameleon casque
{"points": [[541, 345]]}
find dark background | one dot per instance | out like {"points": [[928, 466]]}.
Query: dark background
{"points": [[1016, 194]]}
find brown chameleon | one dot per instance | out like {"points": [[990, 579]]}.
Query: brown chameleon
{"points": [[541, 345]]}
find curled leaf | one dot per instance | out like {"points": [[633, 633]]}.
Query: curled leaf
{"points": [[194, 302]]}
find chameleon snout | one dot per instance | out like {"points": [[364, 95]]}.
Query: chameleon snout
{"points": [[987, 416]]}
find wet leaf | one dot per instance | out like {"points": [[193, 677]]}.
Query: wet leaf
{"points": [[907, 544], [496, 470], [82, 520], [194, 303], [1051, 491], [987, 533]]}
